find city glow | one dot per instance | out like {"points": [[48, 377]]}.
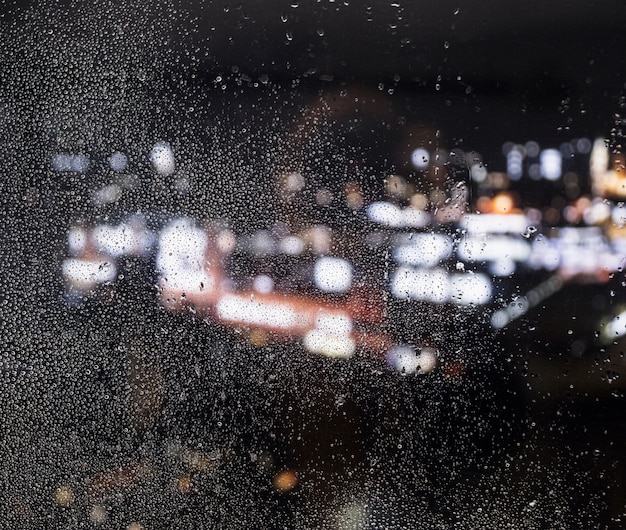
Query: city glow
{"points": [[550, 163], [328, 344], [162, 159], [406, 360], [420, 158], [385, 213], [494, 223], [470, 289], [426, 250], [181, 257], [332, 275], [247, 310], [86, 274], [493, 248], [76, 241]]}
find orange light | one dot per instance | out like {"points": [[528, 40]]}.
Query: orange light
{"points": [[484, 205], [502, 203], [285, 481], [184, 484], [258, 338]]}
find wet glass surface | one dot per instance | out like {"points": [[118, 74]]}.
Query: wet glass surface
{"points": [[322, 265]]}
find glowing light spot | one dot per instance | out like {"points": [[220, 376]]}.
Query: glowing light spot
{"points": [[470, 289], [334, 323], [263, 284], [285, 481], [162, 159], [420, 158], [385, 213], [64, 496], [478, 172], [502, 204], [332, 275], [404, 359], [291, 245], [550, 160], [329, 344], [118, 161], [242, 309]]}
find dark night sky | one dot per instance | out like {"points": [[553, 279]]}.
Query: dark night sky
{"points": [[506, 70], [483, 72]]}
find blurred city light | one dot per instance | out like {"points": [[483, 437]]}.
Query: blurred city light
{"points": [[162, 158], [332, 275]]}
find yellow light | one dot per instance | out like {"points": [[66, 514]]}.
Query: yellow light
{"points": [[285, 481], [502, 203], [64, 496]]}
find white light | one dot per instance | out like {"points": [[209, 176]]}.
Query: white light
{"points": [[470, 289], [426, 250], [181, 256], [76, 241], [334, 324], [493, 248], [597, 213], [292, 245], [162, 159], [263, 284], [248, 310], [550, 160], [616, 327], [80, 163], [514, 160], [431, 285], [262, 243], [294, 182], [494, 223], [107, 194], [599, 160], [317, 341], [226, 241], [120, 240], [532, 149], [518, 307], [118, 161], [478, 172], [414, 217], [420, 158], [618, 215], [583, 146], [64, 162], [404, 359], [502, 267], [500, 319], [385, 213], [332, 275], [86, 273]]}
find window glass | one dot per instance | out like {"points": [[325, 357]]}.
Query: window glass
{"points": [[322, 264]]}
